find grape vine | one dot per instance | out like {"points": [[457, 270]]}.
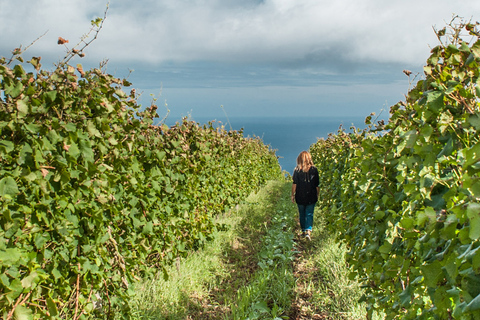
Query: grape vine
{"points": [[405, 195], [94, 196]]}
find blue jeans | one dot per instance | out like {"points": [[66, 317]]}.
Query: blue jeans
{"points": [[305, 213]]}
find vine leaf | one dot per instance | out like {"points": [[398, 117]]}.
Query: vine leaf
{"points": [[473, 305], [8, 187], [472, 155], [473, 213], [23, 313]]}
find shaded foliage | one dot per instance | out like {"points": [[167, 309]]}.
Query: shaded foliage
{"points": [[405, 195]]}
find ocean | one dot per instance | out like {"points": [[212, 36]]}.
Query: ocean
{"points": [[288, 135]]}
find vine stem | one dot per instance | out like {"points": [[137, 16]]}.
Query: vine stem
{"points": [[76, 299], [78, 287], [108, 298], [19, 302], [73, 51], [20, 51], [385, 172]]}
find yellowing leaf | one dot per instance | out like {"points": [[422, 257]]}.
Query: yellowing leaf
{"points": [[30, 280], [22, 108]]}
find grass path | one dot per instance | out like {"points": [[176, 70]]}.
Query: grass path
{"points": [[323, 289], [259, 268]]}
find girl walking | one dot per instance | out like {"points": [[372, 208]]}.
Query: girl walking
{"points": [[305, 191]]}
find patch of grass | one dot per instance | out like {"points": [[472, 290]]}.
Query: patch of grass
{"points": [[190, 285], [203, 285], [269, 293], [324, 290]]}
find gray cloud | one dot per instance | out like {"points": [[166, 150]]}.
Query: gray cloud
{"points": [[283, 31], [330, 55]]}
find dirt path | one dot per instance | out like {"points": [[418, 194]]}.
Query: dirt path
{"points": [[302, 307]]}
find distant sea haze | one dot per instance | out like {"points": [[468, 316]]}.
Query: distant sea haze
{"points": [[288, 135]]}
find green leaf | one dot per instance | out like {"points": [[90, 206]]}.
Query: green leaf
{"points": [[473, 305], [92, 130], [425, 216], [426, 132], [25, 154], [56, 274], [476, 259], [51, 96], [435, 101], [102, 198], [432, 273], [41, 239], [474, 119], [10, 256], [15, 288], [35, 61], [22, 108], [379, 215], [407, 223], [160, 154], [406, 296], [410, 138], [472, 155], [53, 136], [385, 248], [14, 91], [33, 128], [112, 140], [23, 313], [476, 49], [8, 187], [52, 307], [70, 127], [96, 22], [4, 279], [148, 228], [262, 307], [86, 150], [73, 150], [447, 149], [30, 280], [473, 213], [6, 146]]}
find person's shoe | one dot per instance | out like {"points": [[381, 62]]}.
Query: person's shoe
{"points": [[307, 236]]}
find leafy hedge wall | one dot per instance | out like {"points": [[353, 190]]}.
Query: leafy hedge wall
{"points": [[405, 195], [93, 196]]}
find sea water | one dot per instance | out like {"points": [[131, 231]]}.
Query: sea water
{"points": [[288, 136], [291, 135]]}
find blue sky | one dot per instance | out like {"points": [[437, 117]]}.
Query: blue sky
{"points": [[258, 58]]}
